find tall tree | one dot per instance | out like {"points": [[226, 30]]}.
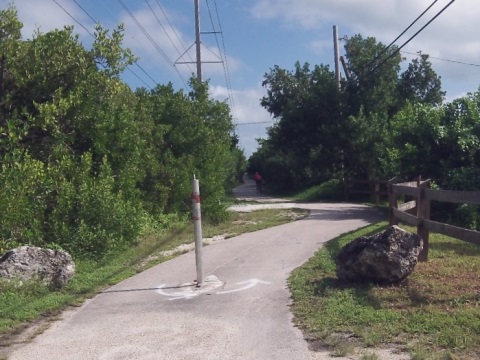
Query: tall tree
{"points": [[83, 159], [307, 105], [373, 75], [420, 83]]}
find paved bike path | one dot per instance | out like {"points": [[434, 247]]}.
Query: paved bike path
{"points": [[157, 314]]}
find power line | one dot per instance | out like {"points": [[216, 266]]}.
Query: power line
{"points": [[79, 23], [152, 41], [224, 57], [414, 35], [165, 31], [224, 48], [447, 60], [399, 36], [145, 32], [174, 31], [66, 11], [128, 68], [85, 11]]}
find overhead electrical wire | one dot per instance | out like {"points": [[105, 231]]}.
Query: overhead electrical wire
{"points": [[85, 11], [152, 41], [447, 60], [174, 31], [412, 37], [73, 18], [128, 68], [223, 58], [229, 83], [79, 23], [399, 36], [165, 31]]}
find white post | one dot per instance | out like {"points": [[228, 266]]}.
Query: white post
{"points": [[336, 55], [197, 220]]}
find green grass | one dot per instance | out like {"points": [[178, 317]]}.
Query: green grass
{"points": [[433, 314], [328, 191], [22, 305]]}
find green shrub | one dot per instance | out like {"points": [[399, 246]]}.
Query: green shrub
{"points": [[23, 193], [90, 218]]}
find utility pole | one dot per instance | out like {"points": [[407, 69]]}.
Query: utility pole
{"points": [[336, 55], [198, 45], [197, 41], [345, 68]]}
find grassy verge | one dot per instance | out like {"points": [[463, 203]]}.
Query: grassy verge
{"points": [[327, 191], [22, 305], [433, 314]]}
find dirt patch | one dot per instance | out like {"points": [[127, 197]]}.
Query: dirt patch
{"points": [[25, 333]]}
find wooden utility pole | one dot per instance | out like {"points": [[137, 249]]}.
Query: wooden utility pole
{"points": [[345, 68], [336, 55]]}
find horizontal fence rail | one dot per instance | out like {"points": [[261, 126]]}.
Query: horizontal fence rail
{"points": [[417, 212], [375, 188]]}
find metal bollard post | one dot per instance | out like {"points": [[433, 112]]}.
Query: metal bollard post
{"points": [[197, 221]]}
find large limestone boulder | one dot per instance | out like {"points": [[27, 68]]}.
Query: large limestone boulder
{"points": [[386, 257], [53, 267]]}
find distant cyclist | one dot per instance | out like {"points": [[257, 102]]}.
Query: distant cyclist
{"points": [[258, 181]]}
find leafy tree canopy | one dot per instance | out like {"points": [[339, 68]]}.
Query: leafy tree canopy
{"points": [[379, 122], [85, 162]]}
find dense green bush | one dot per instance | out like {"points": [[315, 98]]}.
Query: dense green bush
{"points": [[89, 217], [87, 164], [23, 193]]}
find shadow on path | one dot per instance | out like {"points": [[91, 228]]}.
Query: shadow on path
{"points": [[248, 192]]}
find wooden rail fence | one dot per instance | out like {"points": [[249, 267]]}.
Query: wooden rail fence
{"points": [[374, 188], [417, 212]]}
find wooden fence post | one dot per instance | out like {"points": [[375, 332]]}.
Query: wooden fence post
{"points": [[392, 202], [423, 212], [377, 191]]}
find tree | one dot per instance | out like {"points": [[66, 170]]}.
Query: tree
{"points": [[373, 76], [85, 162], [306, 137], [420, 83], [10, 34], [321, 131], [376, 93], [413, 144], [185, 134]]}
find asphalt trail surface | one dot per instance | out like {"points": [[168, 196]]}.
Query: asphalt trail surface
{"points": [[241, 312]]}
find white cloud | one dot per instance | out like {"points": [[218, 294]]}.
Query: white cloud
{"points": [[169, 45], [164, 47], [320, 47], [453, 35], [453, 32], [47, 15], [251, 119]]}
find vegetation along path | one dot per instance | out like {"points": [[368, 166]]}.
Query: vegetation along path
{"points": [[241, 311]]}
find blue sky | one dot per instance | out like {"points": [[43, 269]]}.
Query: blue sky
{"points": [[259, 34]]}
